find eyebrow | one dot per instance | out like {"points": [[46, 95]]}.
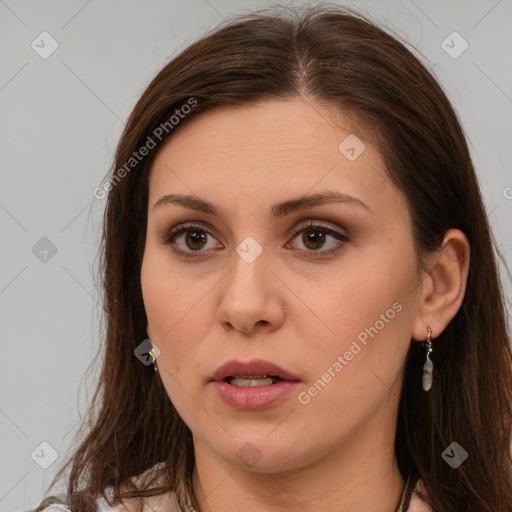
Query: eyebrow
{"points": [[278, 210]]}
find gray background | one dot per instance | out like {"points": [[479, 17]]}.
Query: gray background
{"points": [[61, 118]]}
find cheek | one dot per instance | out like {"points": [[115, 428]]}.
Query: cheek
{"points": [[365, 318], [174, 331], [162, 305], [374, 288], [347, 303], [178, 316], [167, 298], [358, 370]]}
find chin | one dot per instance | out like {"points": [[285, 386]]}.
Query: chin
{"points": [[261, 455]]}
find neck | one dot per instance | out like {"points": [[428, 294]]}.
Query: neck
{"points": [[360, 475]]}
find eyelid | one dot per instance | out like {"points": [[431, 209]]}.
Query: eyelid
{"points": [[321, 224]]}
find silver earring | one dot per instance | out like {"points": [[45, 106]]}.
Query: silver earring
{"points": [[153, 356], [428, 367], [152, 352]]}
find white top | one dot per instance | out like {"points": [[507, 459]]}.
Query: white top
{"points": [[168, 503], [416, 504]]}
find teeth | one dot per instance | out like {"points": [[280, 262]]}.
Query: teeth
{"points": [[250, 382]]}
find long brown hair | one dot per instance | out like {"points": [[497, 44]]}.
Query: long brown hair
{"points": [[337, 57]]}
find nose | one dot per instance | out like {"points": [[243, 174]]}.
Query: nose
{"points": [[250, 298]]}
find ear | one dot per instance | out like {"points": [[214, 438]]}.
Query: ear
{"points": [[443, 286]]}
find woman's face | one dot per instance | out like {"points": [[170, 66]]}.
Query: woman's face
{"points": [[246, 278]]}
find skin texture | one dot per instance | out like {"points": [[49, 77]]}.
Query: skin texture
{"points": [[335, 452]]}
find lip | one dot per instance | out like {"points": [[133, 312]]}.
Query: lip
{"points": [[258, 397], [253, 368]]}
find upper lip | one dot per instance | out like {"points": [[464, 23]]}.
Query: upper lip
{"points": [[253, 368]]}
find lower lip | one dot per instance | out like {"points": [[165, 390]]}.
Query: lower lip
{"points": [[254, 398]]}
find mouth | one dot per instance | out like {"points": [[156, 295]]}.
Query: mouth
{"points": [[254, 373], [253, 386], [253, 381]]}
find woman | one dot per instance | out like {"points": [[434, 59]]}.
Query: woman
{"points": [[296, 239]]}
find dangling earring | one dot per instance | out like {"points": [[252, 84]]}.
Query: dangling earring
{"points": [[428, 367], [152, 352]]}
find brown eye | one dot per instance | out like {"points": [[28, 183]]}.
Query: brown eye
{"points": [[320, 241], [313, 239], [195, 239], [190, 240]]}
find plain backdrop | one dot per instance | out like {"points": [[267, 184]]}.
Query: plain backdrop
{"points": [[60, 119]]}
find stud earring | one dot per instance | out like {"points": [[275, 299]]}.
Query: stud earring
{"points": [[428, 367]]}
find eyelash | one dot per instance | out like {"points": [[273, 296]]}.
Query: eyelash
{"points": [[168, 239]]}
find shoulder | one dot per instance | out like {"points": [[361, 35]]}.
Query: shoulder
{"points": [[417, 504], [55, 503], [58, 503], [167, 502]]}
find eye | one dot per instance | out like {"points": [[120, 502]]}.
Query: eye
{"points": [[315, 237], [188, 239]]}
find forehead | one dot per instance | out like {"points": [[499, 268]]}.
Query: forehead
{"points": [[267, 149]]}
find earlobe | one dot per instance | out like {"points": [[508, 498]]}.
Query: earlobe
{"points": [[443, 286], [151, 339]]}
